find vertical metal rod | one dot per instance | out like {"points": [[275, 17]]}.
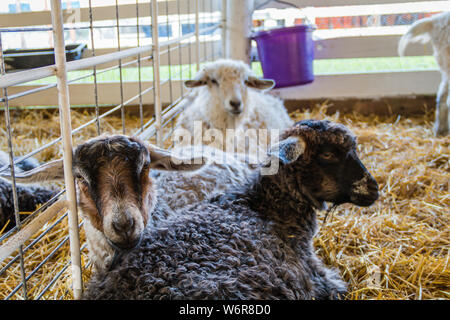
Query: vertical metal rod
{"points": [[141, 111], [169, 55], [180, 31], [64, 111], [156, 73], [224, 28], [213, 54], [197, 34], [205, 47], [11, 164], [190, 42], [122, 109], [97, 111]]}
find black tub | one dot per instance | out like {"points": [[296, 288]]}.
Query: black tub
{"points": [[34, 58]]}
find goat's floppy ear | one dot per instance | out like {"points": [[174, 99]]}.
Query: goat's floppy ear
{"points": [[51, 171], [200, 80], [287, 150], [259, 83], [164, 160]]}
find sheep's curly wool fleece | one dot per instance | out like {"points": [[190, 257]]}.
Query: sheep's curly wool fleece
{"points": [[218, 255], [28, 197], [230, 247]]}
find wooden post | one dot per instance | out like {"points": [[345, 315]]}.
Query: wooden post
{"points": [[239, 24]]}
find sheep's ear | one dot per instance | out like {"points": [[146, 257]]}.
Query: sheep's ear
{"points": [[200, 80], [51, 171], [288, 150], [194, 83], [164, 160], [259, 83]]}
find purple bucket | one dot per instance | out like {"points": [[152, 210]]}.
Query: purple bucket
{"points": [[287, 55]]}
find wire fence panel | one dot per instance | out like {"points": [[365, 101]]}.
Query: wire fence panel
{"points": [[126, 77]]}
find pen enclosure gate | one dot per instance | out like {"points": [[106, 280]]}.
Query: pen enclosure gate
{"points": [[188, 35]]}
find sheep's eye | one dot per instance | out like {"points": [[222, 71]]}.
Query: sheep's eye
{"points": [[214, 81], [327, 155]]}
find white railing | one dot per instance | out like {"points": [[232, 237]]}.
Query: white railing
{"points": [[374, 41]]}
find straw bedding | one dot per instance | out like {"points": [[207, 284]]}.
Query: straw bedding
{"points": [[396, 249]]}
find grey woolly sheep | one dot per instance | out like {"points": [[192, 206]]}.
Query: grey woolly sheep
{"points": [[28, 196], [222, 172], [253, 242]]}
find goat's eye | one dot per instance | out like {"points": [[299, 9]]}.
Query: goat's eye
{"points": [[81, 179], [214, 81]]}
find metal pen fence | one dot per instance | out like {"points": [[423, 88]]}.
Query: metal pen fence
{"points": [[16, 245]]}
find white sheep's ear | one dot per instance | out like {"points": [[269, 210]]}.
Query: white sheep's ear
{"points": [[49, 172], [200, 80], [164, 160], [259, 83], [194, 83], [287, 150]]}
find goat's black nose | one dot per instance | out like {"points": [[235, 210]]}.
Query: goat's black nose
{"points": [[123, 225], [235, 104]]}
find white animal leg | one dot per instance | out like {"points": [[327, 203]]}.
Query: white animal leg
{"points": [[442, 108]]}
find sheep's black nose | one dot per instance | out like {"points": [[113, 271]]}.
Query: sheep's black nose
{"points": [[235, 104]]}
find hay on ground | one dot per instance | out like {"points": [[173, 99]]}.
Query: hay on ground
{"points": [[396, 249]]}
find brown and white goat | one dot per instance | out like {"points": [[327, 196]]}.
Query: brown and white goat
{"points": [[115, 191]]}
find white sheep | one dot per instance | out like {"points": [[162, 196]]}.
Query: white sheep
{"points": [[435, 29], [227, 95]]}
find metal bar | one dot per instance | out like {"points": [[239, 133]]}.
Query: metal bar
{"points": [[205, 47], [32, 215], [197, 35], [12, 169], [141, 111], [33, 243], [24, 234], [91, 25], [122, 111], [212, 34], [180, 58], [58, 275], [49, 86], [156, 72], [224, 28], [64, 107], [169, 57], [190, 44]]}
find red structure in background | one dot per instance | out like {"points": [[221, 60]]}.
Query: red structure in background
{"points": [[382, 20], [369, 21]]}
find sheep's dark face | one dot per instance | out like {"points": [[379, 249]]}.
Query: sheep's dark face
{"points": [[228, 82], [323, 155], [115, 190]]}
